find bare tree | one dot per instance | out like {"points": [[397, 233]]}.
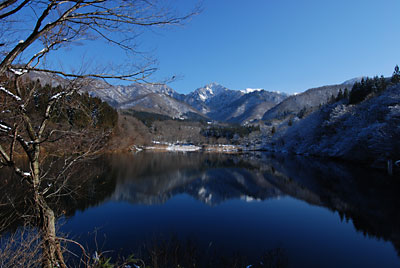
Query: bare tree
{"points": [[32, 30]]}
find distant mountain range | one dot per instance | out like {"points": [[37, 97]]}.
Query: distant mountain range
{"points": [[211, 102]]}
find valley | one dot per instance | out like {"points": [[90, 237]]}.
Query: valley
{"points": [[320, 121]]}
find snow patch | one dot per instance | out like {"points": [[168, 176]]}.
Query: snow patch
{"points": [[202, 97], [209, 89], [183, 148], [18, 71], [250, 90]]}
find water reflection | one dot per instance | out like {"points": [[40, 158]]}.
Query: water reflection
{"points": [[367, 198], [154, 178], [156, 185]]}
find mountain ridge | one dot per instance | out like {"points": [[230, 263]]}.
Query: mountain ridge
{"points": [[213, 101]]}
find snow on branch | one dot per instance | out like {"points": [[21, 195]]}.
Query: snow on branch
{"points": [[58, 95], [17, 98], [18, 71], [4, 127]]}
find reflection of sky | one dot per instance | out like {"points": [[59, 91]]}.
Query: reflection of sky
{"points": [[312, 236], [205, 197]]}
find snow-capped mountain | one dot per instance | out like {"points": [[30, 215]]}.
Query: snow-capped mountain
{"points": [[209, 91], [249, 107], [212, 101], [161, 104], [118, 95], [236, 106], [202, 97]]}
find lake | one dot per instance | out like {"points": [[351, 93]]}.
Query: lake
{"points": [[238, 210]]}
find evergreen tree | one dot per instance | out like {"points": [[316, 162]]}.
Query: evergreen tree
{"points": [[346, 94], [361, 90], [396, 75], [340, 95], [382, 83], [331, 99], [302, 113]]}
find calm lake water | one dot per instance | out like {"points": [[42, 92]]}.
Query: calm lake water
{"points": [[302, 211]]}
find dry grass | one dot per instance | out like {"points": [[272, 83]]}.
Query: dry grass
{"points": [[21, 249]]}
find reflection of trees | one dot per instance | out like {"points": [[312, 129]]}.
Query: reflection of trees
{"points": [[91, 182], [366, 197], [94, 182], [43, 27]]}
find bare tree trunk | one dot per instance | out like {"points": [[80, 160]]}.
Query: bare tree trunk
{"points": [[52, 253]]}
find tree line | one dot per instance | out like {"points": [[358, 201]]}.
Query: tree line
{"points": [[366, 87]]}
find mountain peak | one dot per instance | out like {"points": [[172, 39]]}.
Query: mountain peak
{"points": [[209, 90], [213, 84]]}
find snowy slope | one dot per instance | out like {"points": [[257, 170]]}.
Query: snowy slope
{"points": [[202, 97], [124, 94], [249, 107], [223, 104], [367, 132], [351, 82], [309, 99], [161, 104]]}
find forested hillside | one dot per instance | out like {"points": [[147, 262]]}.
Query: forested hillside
{"points": [[363, 126]]}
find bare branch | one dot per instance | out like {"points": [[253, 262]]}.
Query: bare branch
{"points": [[6, 4], [143, 74], [13, 11], [36, 118], [9, 93]]}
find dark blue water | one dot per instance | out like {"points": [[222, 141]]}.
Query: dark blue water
{"points": [[317, 214]]}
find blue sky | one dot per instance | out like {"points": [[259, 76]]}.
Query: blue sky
{"points": [[285, 45]]}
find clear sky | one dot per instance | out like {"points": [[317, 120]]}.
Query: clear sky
{"points": [[278, 45]]}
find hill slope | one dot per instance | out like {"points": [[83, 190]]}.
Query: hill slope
{"points": [[248, 107], [366, 132], [309, 99]]}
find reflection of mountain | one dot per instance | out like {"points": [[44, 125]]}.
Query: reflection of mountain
{"points": [[212, 187], [212, 180], [367, 198]]}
